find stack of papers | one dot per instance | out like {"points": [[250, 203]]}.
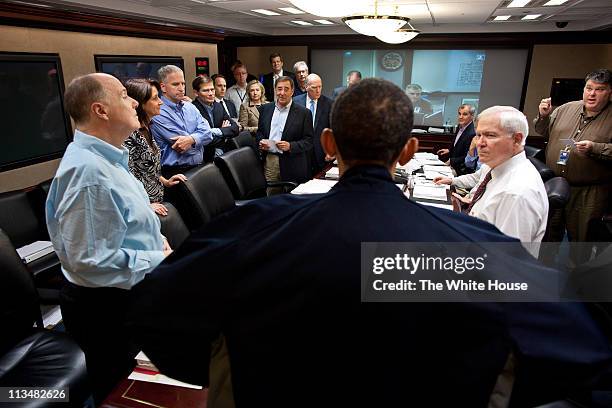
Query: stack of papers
{"points": [[314, 186], [422, 181], [432, 172], [437, 193], [146, 371], [333, 173], [35, 251]]}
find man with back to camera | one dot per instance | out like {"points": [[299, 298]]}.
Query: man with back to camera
{"points": [[284, 136], [269, 80], [221, 125], [580, 150], [179, 130], [352, 78], [300, 70], [320, 107], [102, 228], [463, 138], [510, 193], [288, 301]]}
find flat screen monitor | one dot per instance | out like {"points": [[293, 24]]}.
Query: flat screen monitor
{"points": [[130, 66], [36, 127]]}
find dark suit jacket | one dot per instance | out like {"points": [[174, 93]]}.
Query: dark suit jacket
{"points": [[219, 115], [322, 114], [338, 91], [459, 150], [280, 278], [231, 108], [268, 83], [294, 165]]}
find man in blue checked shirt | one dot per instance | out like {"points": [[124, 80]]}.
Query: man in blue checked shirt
{"points": [[179, 130], [102, 228]]}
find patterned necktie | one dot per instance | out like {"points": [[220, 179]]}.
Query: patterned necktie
{"points": [[479, 191], [312, 110]]}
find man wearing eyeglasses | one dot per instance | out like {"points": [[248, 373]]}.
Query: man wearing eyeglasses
{"points": [[580, 149]]}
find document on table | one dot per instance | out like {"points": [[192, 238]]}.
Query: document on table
{"points": [[314, 186], [333, 173], [437, 193], [438, 205], [432, 172], [422, 181]]}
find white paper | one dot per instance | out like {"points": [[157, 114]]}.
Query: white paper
{"points": [[161, 379], [432, 172], [438, 205], [314, 186], [429, 192], [334, 172]]}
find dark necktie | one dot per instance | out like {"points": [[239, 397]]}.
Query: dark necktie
{"points": [[479, 191]]}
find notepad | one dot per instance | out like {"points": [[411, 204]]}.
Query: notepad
{"points": [[429, 192], [146, 371]]}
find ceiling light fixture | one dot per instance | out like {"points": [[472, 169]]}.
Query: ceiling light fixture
{"points": [[375, 24], [302, 22], [531, 17], [399, 36], [555, 2], [266, 12], [327, 8], [518, 3], [324, 22], [501, 18]]}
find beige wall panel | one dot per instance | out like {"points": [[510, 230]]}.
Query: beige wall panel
{"points": [[77, 54], [561, 61], [258, 58]]}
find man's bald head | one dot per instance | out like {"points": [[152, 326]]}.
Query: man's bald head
{"points": [[82, 92]]}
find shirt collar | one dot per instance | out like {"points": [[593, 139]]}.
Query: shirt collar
{"points": [[285, 108], [308, 100], [468, 124], [508, 165], [108, 151], [172, 105]]}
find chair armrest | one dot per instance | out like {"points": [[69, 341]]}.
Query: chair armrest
{"points": [[289, 185]]}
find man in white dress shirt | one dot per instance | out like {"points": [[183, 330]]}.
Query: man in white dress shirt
{"points": [[510, 193], [237, 93]]}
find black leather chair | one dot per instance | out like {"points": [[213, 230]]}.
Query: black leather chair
{"points": [[202, 197], [244, 174], [244, 139], [32, 356], [536, 152], [545, 172], [173, 227], [558, 192]]}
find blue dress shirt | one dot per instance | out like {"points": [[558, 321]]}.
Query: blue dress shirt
{"points": [[99, 219], [472, 162], [277, 125], [180, 119]]}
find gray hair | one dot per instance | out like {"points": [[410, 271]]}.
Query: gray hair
{"points": [[312, 77], [601, 76], [511, 120], [414, 87], [469, 107], [166, 70], [300, 64]]}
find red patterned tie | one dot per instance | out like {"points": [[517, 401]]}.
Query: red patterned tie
{"points": [[479, 191]]}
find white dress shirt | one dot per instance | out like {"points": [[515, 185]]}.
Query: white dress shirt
{"points": [[515, 200], [237, 96]]}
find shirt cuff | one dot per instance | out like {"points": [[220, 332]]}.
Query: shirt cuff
{"points": [[216, 132]]}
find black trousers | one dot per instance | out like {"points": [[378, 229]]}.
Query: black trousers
{"points": [[95, 318]]}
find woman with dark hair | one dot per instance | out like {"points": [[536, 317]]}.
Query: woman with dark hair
{"points": [[249, 112], [144, 161]]}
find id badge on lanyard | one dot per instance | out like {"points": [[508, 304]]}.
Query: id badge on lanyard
{"points": [[564, 153]]}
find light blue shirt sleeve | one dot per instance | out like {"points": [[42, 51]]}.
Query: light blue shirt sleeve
{"points": [[96, 245], [472, 162]]}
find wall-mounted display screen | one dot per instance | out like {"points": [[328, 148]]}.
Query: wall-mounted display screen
{"points": [[445, 79], [35, 126], [130, 66]]}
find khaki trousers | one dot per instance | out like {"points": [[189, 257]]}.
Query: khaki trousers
{"points": [[272, 173]]}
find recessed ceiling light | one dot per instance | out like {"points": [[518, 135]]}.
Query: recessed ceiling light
{"points": [[291, 10], [531, 17], [266, 12], [555, 2], [199, 1], [518, 3], [300, 22], [501, 18], [324, 22]]}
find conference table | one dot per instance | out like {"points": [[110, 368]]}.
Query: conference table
{"points": [[142, 394]]}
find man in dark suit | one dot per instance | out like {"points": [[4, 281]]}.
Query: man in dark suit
{"points": [[281, 279], [221, 125], [220, 89], [269, 80], [320, 106], [463, 138], [284, 135], [351, 79]]}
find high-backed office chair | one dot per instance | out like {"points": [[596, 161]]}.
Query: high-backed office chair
{"points": [[244, 139], [22, 217], [173, 227], [536, 152], [558, 192], [29, 356], [244, 174], [545, 172], [203, 196]]}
